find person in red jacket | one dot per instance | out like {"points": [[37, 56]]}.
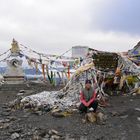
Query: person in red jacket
{"points": [[88, 98]]}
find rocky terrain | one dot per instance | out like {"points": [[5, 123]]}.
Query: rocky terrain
{"points": [[122, 120]]}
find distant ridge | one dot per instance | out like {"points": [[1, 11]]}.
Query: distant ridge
{"points": [[27, 71]]}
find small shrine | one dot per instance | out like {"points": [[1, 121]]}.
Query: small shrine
{"points": [[14, 72]]}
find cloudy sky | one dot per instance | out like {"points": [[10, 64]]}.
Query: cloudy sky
{"points": [[54, 26]]}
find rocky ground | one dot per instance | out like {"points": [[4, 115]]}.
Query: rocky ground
{"points": [[122, 121]]}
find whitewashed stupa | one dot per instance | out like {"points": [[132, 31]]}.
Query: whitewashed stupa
{"points": [[14, 73]]}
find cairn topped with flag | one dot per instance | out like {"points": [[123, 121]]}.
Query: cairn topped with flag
{"points": [[14, 72]]}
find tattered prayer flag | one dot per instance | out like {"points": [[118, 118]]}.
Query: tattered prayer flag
{"points": [[47, 69], [36, 67], [29, 62], [68, 72], [43, 71]]}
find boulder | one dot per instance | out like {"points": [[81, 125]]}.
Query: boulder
{"points": [[90, 117]]}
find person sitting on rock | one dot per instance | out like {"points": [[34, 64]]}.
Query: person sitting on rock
{"points": [[88, 98]]}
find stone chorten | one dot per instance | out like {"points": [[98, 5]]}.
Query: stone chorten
{"points": [[14, 73]]}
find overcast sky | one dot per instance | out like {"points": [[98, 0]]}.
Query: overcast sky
{"points": [[54, 26]]}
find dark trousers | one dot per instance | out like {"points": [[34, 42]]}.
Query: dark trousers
{"points": [[83, 108]]}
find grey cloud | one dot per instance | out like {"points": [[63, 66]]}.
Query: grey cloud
{"points": [[43, 25], [54, 26], [117, 16]]}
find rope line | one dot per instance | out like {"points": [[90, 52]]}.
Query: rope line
{"points": [[5, 52]]}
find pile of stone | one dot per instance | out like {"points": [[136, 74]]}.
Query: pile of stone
{"points": [[46, 101]]}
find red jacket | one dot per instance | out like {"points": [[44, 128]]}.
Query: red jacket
{"points": [[87, 96]]}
